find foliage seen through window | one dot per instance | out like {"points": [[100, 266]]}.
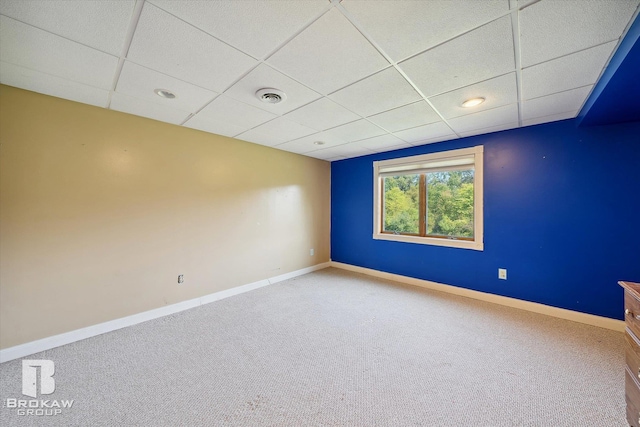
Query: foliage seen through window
{"points": [[448, 204]]}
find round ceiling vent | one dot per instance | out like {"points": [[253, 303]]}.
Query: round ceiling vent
{"points": [[271, 96]]}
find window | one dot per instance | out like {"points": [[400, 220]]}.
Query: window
{"points": [[433, 199]]}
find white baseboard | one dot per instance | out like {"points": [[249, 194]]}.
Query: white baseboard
{"points": [[575, 316], [48, 343]]}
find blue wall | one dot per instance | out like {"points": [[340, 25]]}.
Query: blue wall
{"points": [[561, 214], [615, 97]]}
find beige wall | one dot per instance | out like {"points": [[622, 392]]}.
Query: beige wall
{"points": [[100, 211]]}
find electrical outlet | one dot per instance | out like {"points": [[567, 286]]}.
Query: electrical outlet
{"points": [[311, 252], [502, 273], [180, 278]]}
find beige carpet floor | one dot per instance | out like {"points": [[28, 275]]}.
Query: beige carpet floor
{"points": [[335, 348]]}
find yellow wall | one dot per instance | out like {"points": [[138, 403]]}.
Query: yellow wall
{"points": [[100, 211]]}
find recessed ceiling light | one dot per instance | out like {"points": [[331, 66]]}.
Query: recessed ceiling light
{"points": [[271, 96], [472, 102], [318, 143], [163, 93]]}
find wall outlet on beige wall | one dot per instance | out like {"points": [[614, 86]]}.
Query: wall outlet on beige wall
{"points": [[180, 278]]}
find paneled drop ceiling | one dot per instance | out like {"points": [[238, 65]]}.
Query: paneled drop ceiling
{"points": [[359, 76]]}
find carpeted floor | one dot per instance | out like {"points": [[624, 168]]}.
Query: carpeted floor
{"points": [[335, 348]]}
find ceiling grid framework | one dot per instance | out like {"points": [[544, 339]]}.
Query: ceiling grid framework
{"points": [[135, 17], [360, 77], [400, 71], [515, 27], [261, 62]]}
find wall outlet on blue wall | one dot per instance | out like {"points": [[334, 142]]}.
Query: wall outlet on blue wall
{"points": [[502, 273]]}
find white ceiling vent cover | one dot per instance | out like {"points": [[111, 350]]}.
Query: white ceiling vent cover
{"points": [[271, 96]]}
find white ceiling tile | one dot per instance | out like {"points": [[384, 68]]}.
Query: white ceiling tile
{"points": [[276, 132], [225, 109], [484, 119], [322, 114], [140, 82], [550, 29], [490, 129], [38, 50], [70, 49], [497, 92], [422, 133], [357, 130], [102, 25], [151, 110], [383, 143], [411, 27], [336, 158], [255, 27], [569, 72], [167, 44], [211, 125], [35, 81], [328, 156], [405, 117], [557, 103], [347, 150], [380, 92], [328, 55], [478, 55], [449, 137], [551, 118], [264, 76], [306, 144]]}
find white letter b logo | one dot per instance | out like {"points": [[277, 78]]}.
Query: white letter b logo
{"points": [[30, 377]]}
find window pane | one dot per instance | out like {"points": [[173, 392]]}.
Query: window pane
{"points": [[401, 204], [450, 203]]}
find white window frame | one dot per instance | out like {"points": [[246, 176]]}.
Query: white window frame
{"points": [[478, 241]]}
